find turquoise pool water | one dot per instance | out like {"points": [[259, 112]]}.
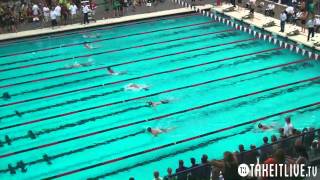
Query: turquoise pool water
{"points": [[90, 127]]}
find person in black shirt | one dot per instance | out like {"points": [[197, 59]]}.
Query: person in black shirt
{"points": [[193, 170], [205, 171], [266, 150], [181, 169]]}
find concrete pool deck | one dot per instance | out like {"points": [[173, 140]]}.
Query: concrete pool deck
{"points": [[259, 20]]}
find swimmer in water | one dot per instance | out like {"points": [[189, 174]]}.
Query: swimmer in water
{"points": [[156, 131], [89, 46], [78, 65], [18, 113], [264, 127], [91, 35], [155, 104], [136, 87], [113, 73], [6, 96]]}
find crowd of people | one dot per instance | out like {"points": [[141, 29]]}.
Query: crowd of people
{"points": [[42, 13], [290, 147], [298, 12]]}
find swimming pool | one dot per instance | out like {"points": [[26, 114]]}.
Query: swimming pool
{"points": [[87, 126]]}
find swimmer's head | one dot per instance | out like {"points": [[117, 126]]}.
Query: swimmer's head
{"points": [[259, 125], [149, 129]]}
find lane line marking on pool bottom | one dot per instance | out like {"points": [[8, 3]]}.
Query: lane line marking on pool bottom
{"points": [[28, 60], [226, 30], [179, 88], [178, 142], [58, 34], [106, 39], [104, 67], [114, 65], [141, 77], [66, 59], [154, 118]]}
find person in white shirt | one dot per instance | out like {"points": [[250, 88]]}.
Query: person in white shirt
{"points": [[46, 14], [288, 127], [73, 11], [283, 18], [85, 11], [269, 10], [57, 11], [35, 10], [290, 13], [53, 17], [311, 27]]}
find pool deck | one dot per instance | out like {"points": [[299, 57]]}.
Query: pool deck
{"points": [[260, 19], [43, 31]]}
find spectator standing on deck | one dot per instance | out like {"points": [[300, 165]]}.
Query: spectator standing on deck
{"points": [[64, 13], [73, 11], [57, 11], [283, 18], [288, 127], [35, 12], [181, 169], [310, 25], [169, 176], [46, 14], [53, 18], [156, 175], [85, 11], [193, 170], [290, 13], [303, 21]]}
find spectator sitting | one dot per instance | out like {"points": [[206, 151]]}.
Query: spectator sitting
{"points": [[182, 175], [156, 175]]}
